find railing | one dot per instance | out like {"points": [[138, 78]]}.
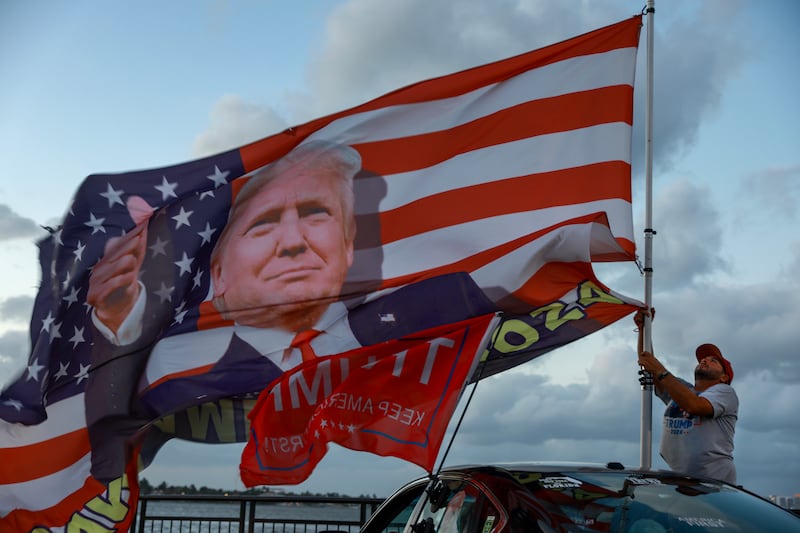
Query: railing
{"points": [[251, 514]]}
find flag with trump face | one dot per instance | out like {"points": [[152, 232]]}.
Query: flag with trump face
{"points": [[172, 297]]}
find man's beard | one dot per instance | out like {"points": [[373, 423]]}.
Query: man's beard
{"points": [[704, 374]]}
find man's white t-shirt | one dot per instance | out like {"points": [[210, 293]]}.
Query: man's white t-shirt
{"points": [[702, 446]]}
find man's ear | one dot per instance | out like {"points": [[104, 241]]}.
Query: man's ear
{"points": [[217, 280], [218, 284]]}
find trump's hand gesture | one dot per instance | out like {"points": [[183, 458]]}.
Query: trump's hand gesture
{"points": [[113, 283]]}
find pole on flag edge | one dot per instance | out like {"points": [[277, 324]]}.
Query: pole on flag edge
{"points": [[478, 365], [646, 428]]}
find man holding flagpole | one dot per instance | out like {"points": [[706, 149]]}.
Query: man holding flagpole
{"points": [[700, 419]]}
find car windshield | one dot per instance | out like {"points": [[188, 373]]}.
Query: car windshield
{"points": [[603, 501]]}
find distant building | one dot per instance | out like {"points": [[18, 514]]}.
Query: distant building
{"points": [[787, 502]]}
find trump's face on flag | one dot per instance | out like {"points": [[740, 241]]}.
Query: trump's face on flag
{"points": [[286, 250]]}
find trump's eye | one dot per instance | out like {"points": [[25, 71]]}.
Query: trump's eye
{"points": [[264, 222], [313, 210]]}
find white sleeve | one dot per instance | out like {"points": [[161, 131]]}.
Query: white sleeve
{"points": [[131, 328], [723, 399]]}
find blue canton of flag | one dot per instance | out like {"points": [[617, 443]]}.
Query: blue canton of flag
{"points": [[190, 203]]}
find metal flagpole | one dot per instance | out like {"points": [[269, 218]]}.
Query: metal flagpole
{"points": [[646, 431]]}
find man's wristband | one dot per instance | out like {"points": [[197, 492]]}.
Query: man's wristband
{"points": [[662, 375]]}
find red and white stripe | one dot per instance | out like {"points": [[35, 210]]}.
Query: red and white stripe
{"points": [[475, 170], [44, 469], [477, 159]]}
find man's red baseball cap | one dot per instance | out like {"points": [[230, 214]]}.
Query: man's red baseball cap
{"points": [[710, 350]]}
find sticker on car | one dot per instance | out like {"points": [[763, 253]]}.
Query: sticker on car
{"points": [[702, 522], [559, 482], [634, 480]]}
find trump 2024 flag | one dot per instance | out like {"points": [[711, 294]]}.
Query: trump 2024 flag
{"points": [[489, 190], [394, 399]]}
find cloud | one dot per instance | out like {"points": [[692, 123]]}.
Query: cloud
{"points": [[689, 235], [694, 62], [13, 353], [16, 308], [774, 191], [370, 49], [15, 226], [515, 404], [791, 269], [770, 409], [688, 245], [234, 122], [755, 326]]}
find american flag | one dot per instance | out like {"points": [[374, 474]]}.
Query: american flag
{"points": [[516, 172], [192, 202]]}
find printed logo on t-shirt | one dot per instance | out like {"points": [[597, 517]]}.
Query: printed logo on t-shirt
{"points": [[677, 421]]}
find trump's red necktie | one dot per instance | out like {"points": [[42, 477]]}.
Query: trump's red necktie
{"points": [[303, 341]]}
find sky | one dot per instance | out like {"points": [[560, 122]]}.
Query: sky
{"points": [[92, 87]]}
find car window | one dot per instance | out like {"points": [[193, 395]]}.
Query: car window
{"points": [[696, 507], [633, 503], [457, 506], [393, 516]]}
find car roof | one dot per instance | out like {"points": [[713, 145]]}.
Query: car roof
{"points": [[602, 487], [574, 468], [551, 467]]}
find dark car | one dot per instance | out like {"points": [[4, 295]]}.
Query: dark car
{"points": [[531, 497]]}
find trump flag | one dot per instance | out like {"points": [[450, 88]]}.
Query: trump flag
{"points": [[392, 399], [172, 297]]}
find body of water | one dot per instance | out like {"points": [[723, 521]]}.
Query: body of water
{"points": [[223, 517]]}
